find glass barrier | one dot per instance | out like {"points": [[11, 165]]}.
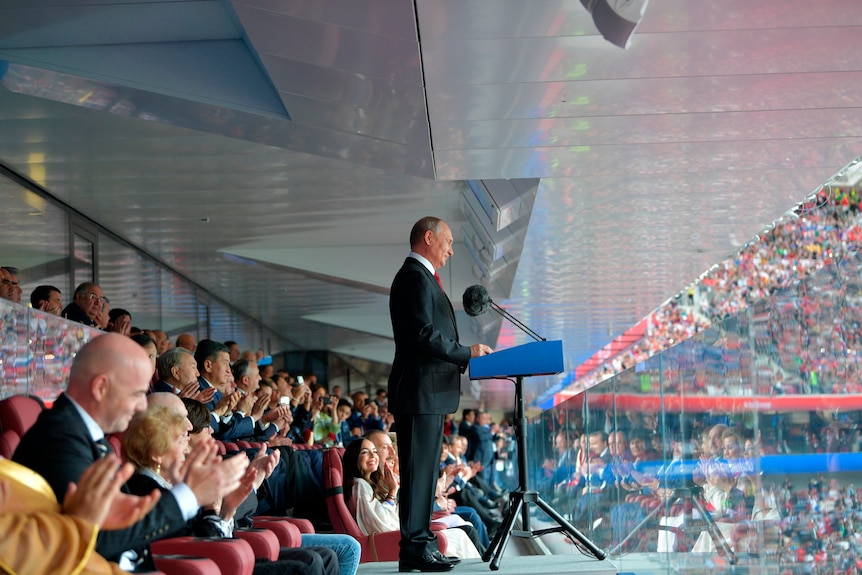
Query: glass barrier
{"points": [[36, 351], [736, 450]]}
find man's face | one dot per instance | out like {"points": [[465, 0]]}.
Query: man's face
{"points": [[162, 341], [126, 395], [91, 301], [253, 378], [6, 288], [384, 446], [714, 439], [187, 372], [597, 445], [483, 419], [234, 352], [55, 301], [359, 401], [440, 246], [618, 443], [560, 443], [221, 377], [14, 287]]}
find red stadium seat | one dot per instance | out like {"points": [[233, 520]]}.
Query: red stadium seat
{"points": [[185, 565], [18, 413], [263, 542], [233, 556], [9, 441], [287, 533]]}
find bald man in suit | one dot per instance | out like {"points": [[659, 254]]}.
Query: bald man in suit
{"points": [[424, 385]]}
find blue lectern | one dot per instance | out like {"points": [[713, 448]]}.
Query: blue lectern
{"points": [[534, 358]]}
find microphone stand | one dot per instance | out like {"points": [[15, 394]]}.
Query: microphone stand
{"points": [[521, 498], [516, 321]]}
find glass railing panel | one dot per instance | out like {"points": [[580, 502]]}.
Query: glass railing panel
{"points": [[36, 351], [744, 443]]}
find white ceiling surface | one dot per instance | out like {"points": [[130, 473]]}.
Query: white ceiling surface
{"points": [[312, 133]]}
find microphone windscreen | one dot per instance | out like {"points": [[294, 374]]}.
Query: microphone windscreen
{"points": [[476, 300]]}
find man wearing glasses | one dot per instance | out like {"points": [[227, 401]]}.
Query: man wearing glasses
{"points": [[86, 306]]}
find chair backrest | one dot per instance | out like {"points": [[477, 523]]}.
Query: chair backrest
{"points": [[264, 542], [233, 556], [185, 564], [18, 413], [339, 514], [9, 441]]}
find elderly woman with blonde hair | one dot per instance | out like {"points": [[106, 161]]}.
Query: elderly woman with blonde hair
{"points": [[157, 442]]}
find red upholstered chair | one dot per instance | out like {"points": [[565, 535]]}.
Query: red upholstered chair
{"points": [[287, 533], [375, 547], [18, 413], [233, 556], [185, 565], [304, 525], [9, 441], [263, 542]]}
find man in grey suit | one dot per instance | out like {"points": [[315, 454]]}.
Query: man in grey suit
{"points": [[424, 385]]}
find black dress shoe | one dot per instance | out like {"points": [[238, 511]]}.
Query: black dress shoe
{"points": [[451, 560], [425, 563]]}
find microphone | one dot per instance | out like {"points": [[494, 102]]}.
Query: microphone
{"points": [[477, 301]]}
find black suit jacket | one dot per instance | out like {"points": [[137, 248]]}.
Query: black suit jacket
{"points": [[425, 376], [59, 448]]}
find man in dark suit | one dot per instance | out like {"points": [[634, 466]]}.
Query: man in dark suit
{"points": [[108, 384], [424, 385]]}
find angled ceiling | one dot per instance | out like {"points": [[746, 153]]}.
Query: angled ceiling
{"points": [[278, 152]]}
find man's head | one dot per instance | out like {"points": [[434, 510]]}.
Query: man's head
{"points": [[233, 350], [432, 239], [383, 443], [561, 441], [213, 361], [47, 298], [618, 443], [14, 287], [89, 297], [109, 379], [178, 367], [359, 399], [712, 446], [246, 375], [6, 288], [598, 442], [468, 415], [187, 341], [483, 418], [172, 402], [162, 341]]}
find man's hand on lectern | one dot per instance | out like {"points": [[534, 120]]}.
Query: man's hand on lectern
{"points": [[480, 349]]}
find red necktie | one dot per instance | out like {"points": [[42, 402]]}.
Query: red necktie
{"points": [[439, 281]]}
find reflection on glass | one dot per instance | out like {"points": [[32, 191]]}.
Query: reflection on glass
{"points": [[36, 350], [742, 444]]}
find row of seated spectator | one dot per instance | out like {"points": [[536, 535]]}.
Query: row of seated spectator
{"points": [[203, 491]]}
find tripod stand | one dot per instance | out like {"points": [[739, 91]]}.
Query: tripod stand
{"points": [[692, 494], [521, 497]]}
